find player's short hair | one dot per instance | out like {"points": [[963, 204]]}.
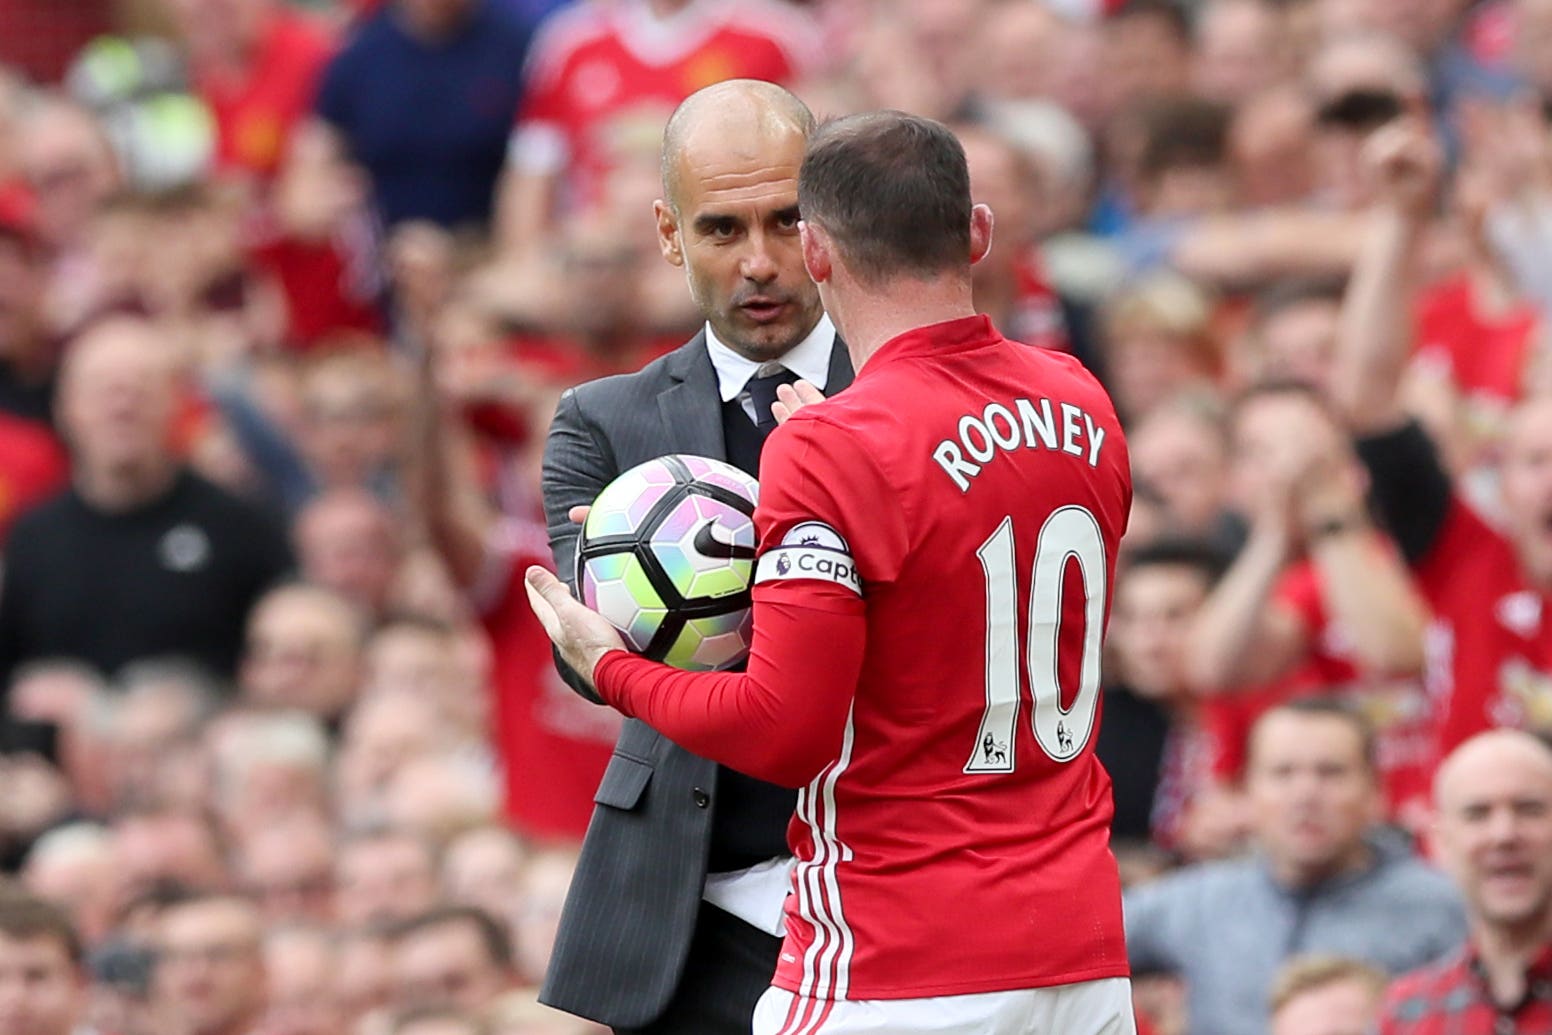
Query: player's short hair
{"points": [[25, 917], [893, 192], [1328, 705], [493, 936], [1304, 974]]}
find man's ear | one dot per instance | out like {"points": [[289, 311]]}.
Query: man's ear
{"points": [[818, 257], [980, 233], [668, 241]]}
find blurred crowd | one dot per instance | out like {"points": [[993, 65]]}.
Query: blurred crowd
{"points": [[303, 281]]}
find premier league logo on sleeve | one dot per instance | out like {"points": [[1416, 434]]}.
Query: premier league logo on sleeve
{"points": [[811, 550]]}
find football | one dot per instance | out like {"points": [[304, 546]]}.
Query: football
{"points": [[667, 554]]}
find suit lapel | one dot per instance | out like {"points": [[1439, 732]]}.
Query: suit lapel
{"points": [[691, 407]]}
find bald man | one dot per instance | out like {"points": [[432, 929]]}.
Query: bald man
{"points": [[673, 919], [140, 556], [1493, 833]]}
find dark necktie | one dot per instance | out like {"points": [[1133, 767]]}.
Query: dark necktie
{"points": [[762, 392]]}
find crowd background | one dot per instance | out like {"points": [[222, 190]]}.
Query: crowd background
{"points": [[311, 276]]}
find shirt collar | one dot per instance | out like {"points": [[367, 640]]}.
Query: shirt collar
{"points": [[809, 359], [1538, 975], [966, 332]]}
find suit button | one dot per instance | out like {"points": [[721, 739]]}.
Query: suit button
{"points": [[702, 799]]}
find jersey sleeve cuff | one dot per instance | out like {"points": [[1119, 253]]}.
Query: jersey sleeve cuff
{"points": [[612, 676]]}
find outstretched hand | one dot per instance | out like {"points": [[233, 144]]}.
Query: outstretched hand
{"points": [[792, 398], [582, 636]]}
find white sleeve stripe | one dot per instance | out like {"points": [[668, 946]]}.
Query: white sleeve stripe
{"points": [[808, 562]]}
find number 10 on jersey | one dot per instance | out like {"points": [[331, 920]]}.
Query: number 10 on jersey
{"points": [[1070, 533]]}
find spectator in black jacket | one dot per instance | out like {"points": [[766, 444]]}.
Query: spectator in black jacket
{"points": [[140, 556]]}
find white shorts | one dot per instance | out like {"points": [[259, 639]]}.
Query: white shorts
{"points": [[1087, 1008]]}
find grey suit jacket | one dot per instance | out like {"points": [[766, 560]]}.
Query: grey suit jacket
{"points": [[629, 917]]}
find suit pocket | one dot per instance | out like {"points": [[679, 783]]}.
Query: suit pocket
{"points": [[624, 782]]}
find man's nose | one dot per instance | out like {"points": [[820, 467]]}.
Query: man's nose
{"points": [[1503, 826], [759, 265]]}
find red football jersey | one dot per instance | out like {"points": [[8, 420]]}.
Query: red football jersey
{"points": [[937, 549], [960, 843], [1489, 657], [606, 76], [256, 114], [1483, 354]]}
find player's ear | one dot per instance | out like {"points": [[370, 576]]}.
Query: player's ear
{"points": [[668, 241], [817, 257], [980, 233]]}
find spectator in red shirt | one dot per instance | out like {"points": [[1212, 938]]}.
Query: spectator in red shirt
{"points": [[600, 72], [1318, 597], [1494, 836], [256, 65], [1488, 578], [321, 243]]}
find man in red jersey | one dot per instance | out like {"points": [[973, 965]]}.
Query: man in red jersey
{"points": [[256, 64], [936, 545], [1487, 574]]}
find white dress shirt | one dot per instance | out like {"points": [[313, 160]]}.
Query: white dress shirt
{"points": [[809, 359]]}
